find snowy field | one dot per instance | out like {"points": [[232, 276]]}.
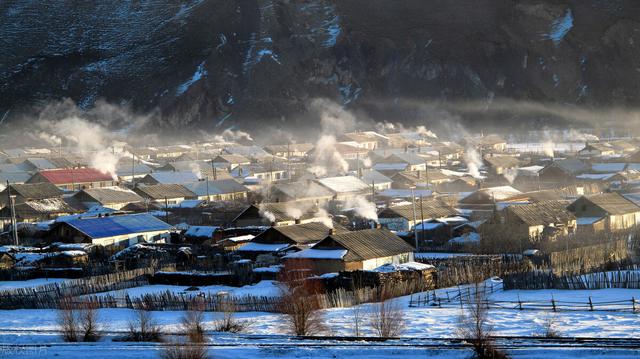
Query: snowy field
{"points": [[32, 328]]}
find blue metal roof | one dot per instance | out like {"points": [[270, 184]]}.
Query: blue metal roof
{"points": [[102, 227]]}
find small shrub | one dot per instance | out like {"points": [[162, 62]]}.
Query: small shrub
{"points": [[193, 322], [229, 323], [387, 316], [184, 351], [143, 328]]}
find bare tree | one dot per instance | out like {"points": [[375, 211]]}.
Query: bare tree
{"points": [[143, 327], [474, 326], [299, 299], [356, 310], [68, 320], [387, 315], [229, 323], [88, 319], [193, 321]]}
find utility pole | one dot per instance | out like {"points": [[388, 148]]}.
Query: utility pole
{"points": [[213, 169], [207, 179], [133, 170], [14, 224], [415, 232], [166, 210]]}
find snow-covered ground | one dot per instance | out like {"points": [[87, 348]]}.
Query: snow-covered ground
{"points": [[8, 285], [34, 327], [265, 288]]}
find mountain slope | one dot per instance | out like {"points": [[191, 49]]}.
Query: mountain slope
{"points": [[211, 63]]}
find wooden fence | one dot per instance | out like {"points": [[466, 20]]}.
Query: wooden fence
{"points": [[624, 278], [49, 295]]}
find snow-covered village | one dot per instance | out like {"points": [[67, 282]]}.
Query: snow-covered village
{"points": [[231, 179], [381, 242]]}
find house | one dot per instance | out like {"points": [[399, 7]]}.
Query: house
{"points": [[419, 179], [29, 192], [562, 171], [360, 250], [376, 179], [500, 164], [37, 210], [401, 218], [307, 191], [258, 173], [74, 178], [278, 214], [200, 233], [347, 151], [126, 172], [168, 177], [251, 152], [220, 190], [344, 187], [606, 211], [38, 164], [483, 202], [13, 177], [404, 161], [115, 230], [360, 140], [489, 143], [229, 162], [111, 197], [286, 238], [599, 149], [535, 221], [165, 193], [292, 150]]}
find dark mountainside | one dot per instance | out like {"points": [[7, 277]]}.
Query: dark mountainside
{"points": [[219, 63]]}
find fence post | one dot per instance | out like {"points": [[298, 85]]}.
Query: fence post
{"points": [[590, 304], [553, 303], [519, 302], [633, 303]]}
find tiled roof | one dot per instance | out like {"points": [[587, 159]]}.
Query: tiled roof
{"points": [[75, 175]]}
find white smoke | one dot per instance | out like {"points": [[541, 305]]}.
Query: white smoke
{"points": [[266, 214], [367, 163], [50, 139], [363, 208], [422, 131], [195, 169], [293, 212], [547, 148], [323, 217], [510, 174], [473, 161], [326, 158], [90, 139]]}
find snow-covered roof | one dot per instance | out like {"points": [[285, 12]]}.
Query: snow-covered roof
{"points": [[596, 176], [201, 231], [263, 247], [344, 184], [467, 238], [390, 267], [319, 254], [608, 167]]}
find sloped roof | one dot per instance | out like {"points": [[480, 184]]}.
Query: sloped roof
{"points": [[542, 213], [75, 175], [365, 244], [431, 208], [171, 177], [404, 157], [498, 193], [570, 165], [108, 195], [160, 191], [303, 189], [231, 158], [101, 227], [36, 190], [281, 210], [502, 161], [305, 233], [14, 177], [373, 176], [344, 184], [47, 206], [612, 203], [201, 188], [294, 147]]}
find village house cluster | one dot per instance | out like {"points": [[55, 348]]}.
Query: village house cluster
{"points": [[208, 205]]}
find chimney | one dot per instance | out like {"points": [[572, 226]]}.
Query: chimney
{"points": [[331, 231], [297, 221], [273, 224]]}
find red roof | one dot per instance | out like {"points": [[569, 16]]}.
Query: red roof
{"points": [[75, 175]]}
